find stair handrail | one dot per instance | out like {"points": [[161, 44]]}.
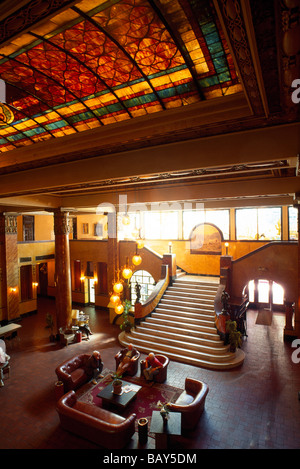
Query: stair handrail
{"points": [[147, 248], [155, 297], [218, 305], [261, 248]]}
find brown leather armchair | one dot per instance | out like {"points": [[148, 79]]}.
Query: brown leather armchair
{"points": [[162, 373], [132, 368], [72, 373], [93, 423], [190, 403]]}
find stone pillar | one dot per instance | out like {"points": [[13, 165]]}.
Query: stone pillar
{"points": [[112, 250], [63, 288], [9, 273]]}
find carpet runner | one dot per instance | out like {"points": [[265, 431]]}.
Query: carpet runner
{"points": [[264, 317], [144, 403]]}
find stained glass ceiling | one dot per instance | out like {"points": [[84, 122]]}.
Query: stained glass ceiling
{"points": [[102, 62]]}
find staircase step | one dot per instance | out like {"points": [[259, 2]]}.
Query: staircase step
{"points": [[167, 349], [192, 291], [213, 287], [198, 314], [192, 332], [179, 324], [183, 316], [233, 359], [180, 296], [189, 342], [203, 309], [180, 273]]}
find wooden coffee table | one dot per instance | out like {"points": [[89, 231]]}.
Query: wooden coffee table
{"points": [[129, 392]]}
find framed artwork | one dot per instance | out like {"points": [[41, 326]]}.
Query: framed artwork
{"points": [[85, 228]]}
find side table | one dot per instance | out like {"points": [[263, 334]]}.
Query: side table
{"points": [[163, 432]]}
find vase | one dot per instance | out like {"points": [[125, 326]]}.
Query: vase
{"points": [[59, 390], [117, 387], [143, 430], [164, 418]]}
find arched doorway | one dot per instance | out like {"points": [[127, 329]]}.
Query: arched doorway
{"points": [[267, 298], [265, 293]]}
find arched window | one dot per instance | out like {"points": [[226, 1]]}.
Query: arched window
{"points": [[147, 283], [265, 292]]}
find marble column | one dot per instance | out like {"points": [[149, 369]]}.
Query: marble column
{"points": [[9, 270], [112, 250], [63, 288]]}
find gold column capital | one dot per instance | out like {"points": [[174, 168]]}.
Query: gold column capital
{"points": [[61, 222]]}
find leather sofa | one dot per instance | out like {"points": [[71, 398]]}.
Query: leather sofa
{"points": [[190, 403], [93, 423], [162, 374], [72, 373]]}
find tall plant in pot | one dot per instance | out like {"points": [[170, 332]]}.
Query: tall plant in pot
{"points": [[235, 336], [126, 324]]}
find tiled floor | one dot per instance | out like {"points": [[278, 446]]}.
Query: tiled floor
{"points": [[255, 406]]}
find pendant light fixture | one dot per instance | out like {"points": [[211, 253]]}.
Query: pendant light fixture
{"points": [[127, 272]]}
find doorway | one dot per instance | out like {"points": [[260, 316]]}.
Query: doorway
{"points": [[266, 294], [91, 284], [43, 279]]}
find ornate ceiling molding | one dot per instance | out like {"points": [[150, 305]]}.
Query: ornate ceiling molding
{"points": [[231, 14], [29, 15]]}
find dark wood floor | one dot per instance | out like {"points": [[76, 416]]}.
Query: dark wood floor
{"points": [[255, 406]]}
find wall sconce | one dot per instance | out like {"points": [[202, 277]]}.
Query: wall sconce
{"points": [[13, 289], [226, 246], [35, 284], [82, 278]]}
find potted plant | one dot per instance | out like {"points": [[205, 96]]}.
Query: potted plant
{"points": [[50, 325], [126, 324], [235, 336], [117, 383], [164, 411]]}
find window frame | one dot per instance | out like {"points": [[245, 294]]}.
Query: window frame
{"points": [[257, 231]]}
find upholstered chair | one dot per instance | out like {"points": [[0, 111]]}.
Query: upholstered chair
{"points": [[191, 403], [72, 372], [162, 373], [132, 368]]}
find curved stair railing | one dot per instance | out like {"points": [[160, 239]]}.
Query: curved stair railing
{"points": [[152, 301]]}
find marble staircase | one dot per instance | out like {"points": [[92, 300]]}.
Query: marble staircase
{"points": [[182, 326]]}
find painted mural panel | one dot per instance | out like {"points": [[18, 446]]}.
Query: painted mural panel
{"points": [[206, 238]]}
